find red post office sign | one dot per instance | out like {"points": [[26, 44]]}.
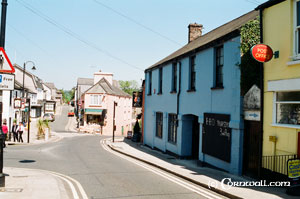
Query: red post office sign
{"points": [[262, 52]]}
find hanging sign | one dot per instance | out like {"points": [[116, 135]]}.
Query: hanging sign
{"points": [[262, 52]]}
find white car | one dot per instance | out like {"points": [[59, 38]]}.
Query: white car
{"points": [[49, 116]]}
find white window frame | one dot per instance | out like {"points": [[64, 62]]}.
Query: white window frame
{"points": [[296, 55], [274, 115], [96, 102]]}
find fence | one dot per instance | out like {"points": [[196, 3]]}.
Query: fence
{"points": [[277, 163]]}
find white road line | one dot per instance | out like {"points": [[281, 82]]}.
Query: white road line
{"points": [[157, 171], [69, 181], [73, 189]]}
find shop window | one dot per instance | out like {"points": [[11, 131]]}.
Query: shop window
{"points": [[288, 108]]}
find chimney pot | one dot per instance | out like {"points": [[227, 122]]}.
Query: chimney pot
{"points": [[195, 31]]}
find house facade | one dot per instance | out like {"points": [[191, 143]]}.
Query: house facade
{"points": [[105, 105], [83, 84], [193, 104], [281, 137]]}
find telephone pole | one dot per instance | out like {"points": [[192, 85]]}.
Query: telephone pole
{"points": [[2, 44]]}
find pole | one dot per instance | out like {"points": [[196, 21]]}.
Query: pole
{"points": [[3, 23], [23, 89], [28, 130], [114, 122], [2, 44]]}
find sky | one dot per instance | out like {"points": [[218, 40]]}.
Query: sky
{"points": [[68, 39]]}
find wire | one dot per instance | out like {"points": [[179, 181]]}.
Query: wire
{"points": [[136, 22], [73, 34], [27, 38]]}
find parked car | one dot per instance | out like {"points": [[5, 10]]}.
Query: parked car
{"points": [[71, 113], [49, 116]]}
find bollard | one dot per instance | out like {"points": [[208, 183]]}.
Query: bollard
{"points": [[2, 176]]}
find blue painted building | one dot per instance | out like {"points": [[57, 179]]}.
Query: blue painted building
{"points": [[193, 105]]}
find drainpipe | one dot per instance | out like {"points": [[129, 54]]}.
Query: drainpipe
{"points": [[179, 90], [261, 97]]}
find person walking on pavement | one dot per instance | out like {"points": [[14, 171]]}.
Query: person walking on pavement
{"points": [[20, 131], [5, 131], [15, 131]]}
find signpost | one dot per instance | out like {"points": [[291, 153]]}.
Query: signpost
{"points": [[293, 168], [262, 52]]}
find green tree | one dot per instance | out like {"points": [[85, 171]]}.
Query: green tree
{"points": [[68, 95], [129, 86], [250, 68]]}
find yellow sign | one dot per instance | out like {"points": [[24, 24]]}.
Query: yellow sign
{"points": [[294, 168]]}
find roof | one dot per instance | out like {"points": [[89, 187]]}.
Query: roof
{"points": [[103, 86], [208, 39], [19, 86], [50, 85], [85, 81], [268, 4], [39, 82]]}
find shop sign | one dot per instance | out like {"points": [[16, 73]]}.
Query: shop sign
{"points": [[262, 52]]}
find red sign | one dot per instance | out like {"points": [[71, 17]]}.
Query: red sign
{"points": [[5, 64], [262, 52]]}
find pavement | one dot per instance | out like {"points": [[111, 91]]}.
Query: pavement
{"points": [[33, 183], [189, 170]]}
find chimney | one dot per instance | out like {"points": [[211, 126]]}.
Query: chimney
{"points": [[99, 75], [195, 31]]}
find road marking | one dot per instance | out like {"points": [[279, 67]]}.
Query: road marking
{"points": [[74, 192], [157, 171], [70, 181]]}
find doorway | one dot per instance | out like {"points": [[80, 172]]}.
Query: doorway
{"points": [[190, 136]]}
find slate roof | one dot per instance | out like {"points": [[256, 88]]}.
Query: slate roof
{"points": [[85, 81], [19, 86], [206, 40], [50, 85], [103, 86]]}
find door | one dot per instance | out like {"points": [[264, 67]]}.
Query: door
{"points": [[251, 148]]}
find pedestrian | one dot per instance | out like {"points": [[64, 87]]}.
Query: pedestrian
{"points": [[4, 131], [20, 131], [15, 131]]}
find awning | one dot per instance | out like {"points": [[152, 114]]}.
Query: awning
{"points": [[93, 111]]}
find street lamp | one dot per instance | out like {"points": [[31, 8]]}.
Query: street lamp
{"points": [[23, 94], [24, 68]]}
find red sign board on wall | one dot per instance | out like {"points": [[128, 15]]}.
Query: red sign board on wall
{"points": [[262, 52]]}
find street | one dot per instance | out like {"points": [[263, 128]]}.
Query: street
{"points": [[101, 173]]}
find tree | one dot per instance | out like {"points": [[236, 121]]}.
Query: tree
{"points": [[68, 95], [250, 68], [129, 86]]}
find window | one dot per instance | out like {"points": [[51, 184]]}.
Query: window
{"points": [[150, 83], [159, 124], [172, 125], [288, 108], [160, 79], [192, 79], [297, 27], [96, 100], [174, 77], [219, 66]]}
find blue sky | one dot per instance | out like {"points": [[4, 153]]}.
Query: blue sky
{"points": [[104, 40]]}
